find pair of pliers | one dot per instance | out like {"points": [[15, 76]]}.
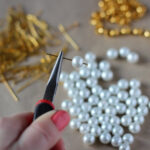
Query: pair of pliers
{"points": [[45, 105]]}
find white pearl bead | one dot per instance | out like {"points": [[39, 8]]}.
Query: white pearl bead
{"points": [[96, 89], [103, 118], [95, 130], [96, 111], [63, 76], [84, 93], [74, 110], [143, 100], [128, 138], [104, 65], [114, 120], [114, 89], [84, 72], [106, 126], [73, 92], [133, 57], [116, 141], [131, 111], [123, 84], [131, 101], [104, 94], [135, 92], [122, 95], [124, 51], [66, 104], [139, 119], [93, 100], [80, 84], [90, 56], [103, 104], [84, 128], [95, 73], [89, 139], [74, 76], [124, 146], [91, 82], [83, 116], [93, 121], [75, 123], [143, 110], [112, 53], [126, 120], [105, 137], [117, 130], [92, 65], [68, 84], [134, 83], [77, 100], [110, 110], [113, 100], [121, 108], [85, 107], [107, 75], [134, 128], [77, 61]]}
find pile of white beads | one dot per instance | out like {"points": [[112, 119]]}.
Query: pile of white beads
{"points": [[103, 113], [124, 52]]}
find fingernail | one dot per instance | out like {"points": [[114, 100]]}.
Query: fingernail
{"points": [[61, 119]]}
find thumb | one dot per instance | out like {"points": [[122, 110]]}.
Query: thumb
{"points": [[44, 132]]}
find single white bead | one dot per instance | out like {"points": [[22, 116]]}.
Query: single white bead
{"points": [[103, 104], [131, 111], [112, 53], [103, 118], [122, 95], [117, 130], [134, 83], [74, 110], [80, 84], [93, 121], [86, 107], [96, 89], [83, 116], [131, 101], [121, 108], [93, 100], [113, 100], [91, 82], [96, 111], [138, 119], [105, 137], [89, 139], [135, 92], [132, 57], [68, 84], [124, 51], [114, 89], [84, 72], [134, 128], [104, 94], [95, 130], [106, 126], [84, 128], [84, 93], [104, 65], [78, 100], [143, 100], [143, 110], [66, 104], [74, 76], [107, 75], [128, 138], [124, 146], [114, 120], [126, 120], [77, 61], [123, 84], [90, 56], [110, 110], [116, 141], [95, 73], [92, 65], [75, 123], [63, 76], [73, 92]]}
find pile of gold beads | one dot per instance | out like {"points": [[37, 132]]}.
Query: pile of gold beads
{"points": [[121, 13]]}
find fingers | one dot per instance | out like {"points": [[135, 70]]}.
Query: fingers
{"points": [[59, 145], [12, 127], [44, 132]]}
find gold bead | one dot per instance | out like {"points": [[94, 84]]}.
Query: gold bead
{"points": [[100, 30], [125, 30], [147, 33], [114, 32], [136, 31], [94, 22], [101, 4]]}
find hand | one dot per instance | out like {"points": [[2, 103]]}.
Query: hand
{"points": [[20, 133]]}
